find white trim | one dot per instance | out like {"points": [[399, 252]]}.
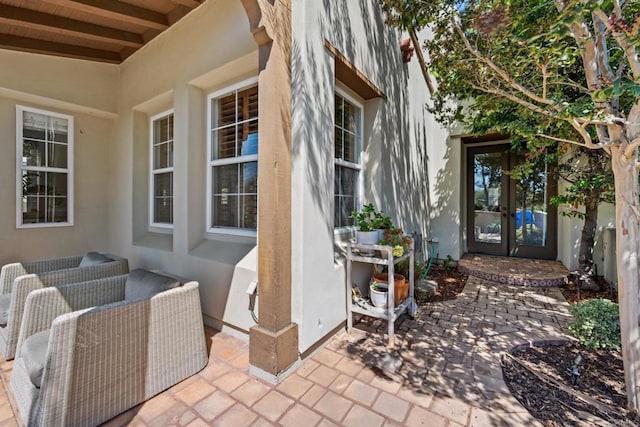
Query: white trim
{"points": [[359, 152], [153, 172], [20, 110], [210, 162]]}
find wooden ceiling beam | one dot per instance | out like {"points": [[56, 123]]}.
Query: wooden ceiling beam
{"points": [[24, 44], [188, 3], [33, 20], [113, 9]]}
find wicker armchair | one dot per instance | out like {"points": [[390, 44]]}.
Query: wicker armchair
{"points": [[105, 354], [18, 279]]}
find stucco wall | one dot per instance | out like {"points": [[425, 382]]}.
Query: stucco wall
{"points": [[397, 135], [85, 91], [209, 49]]}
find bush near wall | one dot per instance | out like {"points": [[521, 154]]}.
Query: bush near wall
{"points": [[597, 324]]}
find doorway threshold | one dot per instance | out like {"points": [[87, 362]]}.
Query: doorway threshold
{"points": [[515, 271]]}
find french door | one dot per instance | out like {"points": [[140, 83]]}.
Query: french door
{"points": [[509, 214]]}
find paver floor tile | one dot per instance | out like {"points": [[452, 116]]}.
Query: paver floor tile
{"points": [[314, 394], [323, 375], [214, 405], [453, 409], [300, 415], [359, 416], [391, 406], [341, 383], [333, 406], [361, 392], [273, 405], [155, 406], [326, 423], [307, 367], [238, 415], [250, 392], [422, 417], [231, 381], [6, 412], [327, 357], [195, 392], [294, 386]]}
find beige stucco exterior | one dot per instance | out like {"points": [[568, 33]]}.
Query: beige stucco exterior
{"points": [[412, 168]]}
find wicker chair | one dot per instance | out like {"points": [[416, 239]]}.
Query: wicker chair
{"points": [[18, 279], [105, 354]]}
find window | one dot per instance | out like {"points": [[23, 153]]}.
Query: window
{"points": [[161, 185], [44, 147], [233, 159], [348, 136]]}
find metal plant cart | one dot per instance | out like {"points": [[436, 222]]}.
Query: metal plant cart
{"points": [[381, 255]]}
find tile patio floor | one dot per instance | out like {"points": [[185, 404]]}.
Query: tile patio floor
{"points": [[443, 371]]}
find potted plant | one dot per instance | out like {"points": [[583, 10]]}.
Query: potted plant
{"points": [[396, 238], [378, 294], [369, 221]]}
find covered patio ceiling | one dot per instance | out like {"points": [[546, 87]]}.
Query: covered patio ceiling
{"points": [[95, 30]]}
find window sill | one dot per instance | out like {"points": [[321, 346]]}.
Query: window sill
{"points": [[225, 249], [154, 240], [45, 225]]}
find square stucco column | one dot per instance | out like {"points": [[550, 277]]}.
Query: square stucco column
{"points": [[273, 343]]}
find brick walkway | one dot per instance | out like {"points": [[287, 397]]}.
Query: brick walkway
{"points": [[443, 371]]}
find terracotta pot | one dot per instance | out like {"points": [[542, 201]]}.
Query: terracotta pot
{"points": [[400, 288]]}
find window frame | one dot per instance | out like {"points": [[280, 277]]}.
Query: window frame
{"points": [[343, 92], [152, 172], [210, 163], [20, 110]]}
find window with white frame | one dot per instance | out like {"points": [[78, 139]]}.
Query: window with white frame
{"points": [[161, 212], [44, 147], [233, 159], [348, 136]]}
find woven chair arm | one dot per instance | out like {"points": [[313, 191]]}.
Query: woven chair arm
{"points": [[42, 306], [84, 274], [124, 353], [11, 271]]}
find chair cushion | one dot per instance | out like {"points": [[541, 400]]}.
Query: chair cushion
{"points": [[5, 302], [142, 284], [34, 353], [94, 258]]}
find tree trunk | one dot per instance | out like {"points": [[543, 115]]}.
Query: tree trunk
{"points": [[586, 277], [628, 250]]}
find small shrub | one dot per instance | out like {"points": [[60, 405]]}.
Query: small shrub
{"points": [[597, 324]]}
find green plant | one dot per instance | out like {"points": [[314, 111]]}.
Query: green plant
{"points": [[370, 219], [448, 263], [395, 237], [597, 324]]}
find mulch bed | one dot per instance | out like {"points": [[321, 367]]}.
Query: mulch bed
{"points": [[450, 283], [533, 374], [573, 294], [601, 379]]}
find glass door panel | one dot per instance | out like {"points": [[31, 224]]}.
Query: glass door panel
{"points": [[487, 200], [532, 216]]}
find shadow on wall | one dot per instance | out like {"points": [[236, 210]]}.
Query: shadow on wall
{"points": [[397, 179], [445, 214]]}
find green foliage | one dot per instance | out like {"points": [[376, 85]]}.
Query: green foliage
{"points": [[448, 263], [370, 219], [597, 324]]}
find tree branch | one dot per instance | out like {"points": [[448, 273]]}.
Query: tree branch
{"points": [[554, 138], [500, 92], [499, 71], [633, 145], [628, 48], [603, 51]]}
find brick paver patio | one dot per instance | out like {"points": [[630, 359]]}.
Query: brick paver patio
{"points": [[443, 371]]}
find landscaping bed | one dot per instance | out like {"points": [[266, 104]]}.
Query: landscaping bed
{"points": [[540, 378]]}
